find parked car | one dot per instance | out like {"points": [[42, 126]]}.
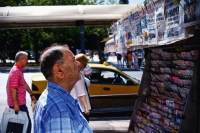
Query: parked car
{"points": [[110, 89]]}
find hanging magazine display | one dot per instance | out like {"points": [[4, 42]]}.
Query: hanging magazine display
{"points": [[120, 45], [151, 24], [174, 31], [127, 33], [116, 35], [114, 28], [191, 10], [136, 27], [133, 33], [160, 22], [144, 38]]}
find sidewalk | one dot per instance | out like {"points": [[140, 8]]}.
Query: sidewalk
{"points": [[109, 125], [112, 60]]}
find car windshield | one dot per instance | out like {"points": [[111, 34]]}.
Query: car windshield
{"points": [[136, 80]]}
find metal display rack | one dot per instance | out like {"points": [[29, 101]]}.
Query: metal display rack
{"points": [[189, 120]]}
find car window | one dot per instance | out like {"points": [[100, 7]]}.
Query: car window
{"points": [[112, 77], [96, 76], [105, 76]]}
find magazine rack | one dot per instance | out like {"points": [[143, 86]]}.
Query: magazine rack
{"points": [[169, 101]]}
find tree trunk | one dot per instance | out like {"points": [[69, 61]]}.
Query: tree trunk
{"points": [[4, 55], [36, 52], [100, 54]]}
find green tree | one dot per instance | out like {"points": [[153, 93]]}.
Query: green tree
{"points": [[39, 39]]}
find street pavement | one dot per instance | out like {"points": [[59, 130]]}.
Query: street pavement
{"points": [[98, 124], [112, 60]]}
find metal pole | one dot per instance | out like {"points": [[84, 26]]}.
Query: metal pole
{"points": [[82, 36]]}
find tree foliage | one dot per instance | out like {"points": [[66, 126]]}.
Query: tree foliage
{"points": [[38, 39]]}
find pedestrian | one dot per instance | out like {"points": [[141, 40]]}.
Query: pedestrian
{"points": [[56, 110], [130, 60], [80, 90], [16, 86], [91, 54], [124, 59], [119, 58], [135, 57]]}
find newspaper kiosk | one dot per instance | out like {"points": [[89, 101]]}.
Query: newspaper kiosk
{"points": [[168, 98]]}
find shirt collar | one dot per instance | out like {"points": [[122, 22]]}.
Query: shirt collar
{"points": [[61, 91], [19, 67]]}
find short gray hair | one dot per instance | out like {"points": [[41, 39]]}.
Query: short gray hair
{"points": [[50, 57], [19, 55]]}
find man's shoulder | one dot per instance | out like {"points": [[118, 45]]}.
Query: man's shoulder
{"points": [[52, 103], [14, 71]]}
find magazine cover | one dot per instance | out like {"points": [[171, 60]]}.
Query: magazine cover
{"points": [[127, 32], [160, 21], [190, 11], [120, 44], [174, 30], [151, 24], [144, 38], [114, 28], [136, 29], [133, 20]]}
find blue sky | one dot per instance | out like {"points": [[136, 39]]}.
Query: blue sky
{"points": [[136, 1]]}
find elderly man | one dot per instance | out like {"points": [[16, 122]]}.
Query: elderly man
{"points": [[17, 86], [56, 110]]}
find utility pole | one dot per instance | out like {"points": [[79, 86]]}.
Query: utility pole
{"points": [[81, 24]]}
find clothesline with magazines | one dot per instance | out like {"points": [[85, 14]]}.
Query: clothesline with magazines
{"points": [[156, 22]]}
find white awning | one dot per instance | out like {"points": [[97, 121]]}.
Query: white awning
{"points": [[61, 16], [110, 42]]}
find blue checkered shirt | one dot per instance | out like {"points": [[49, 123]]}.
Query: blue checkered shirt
{"points": [[57, 111]]}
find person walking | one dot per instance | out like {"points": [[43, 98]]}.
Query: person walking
{"points": [[119, 58], [135, 57], [16, 86], [56, 110], [130, 60], [124, 59], [80, 90]]}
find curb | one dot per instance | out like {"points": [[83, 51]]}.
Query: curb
{"points": [[29, 69], [123, 69], [26, 69]]}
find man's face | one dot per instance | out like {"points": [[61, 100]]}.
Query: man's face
{"points": [[71, 67], [24, 60]]}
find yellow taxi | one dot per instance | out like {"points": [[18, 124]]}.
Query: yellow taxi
{"points": [[109, 88]]}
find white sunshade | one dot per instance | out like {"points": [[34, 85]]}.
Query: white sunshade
{"points": [[110, 42], [55, 16], [110, 46]]}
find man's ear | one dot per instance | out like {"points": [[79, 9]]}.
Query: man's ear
{"points": [[57, 70]]}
